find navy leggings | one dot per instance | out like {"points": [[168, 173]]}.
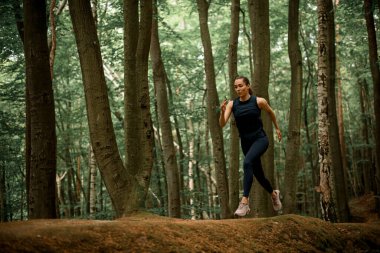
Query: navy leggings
{"points": [[253, 147]]}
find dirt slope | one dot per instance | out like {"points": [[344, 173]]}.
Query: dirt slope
{"points": [[149, 233]]}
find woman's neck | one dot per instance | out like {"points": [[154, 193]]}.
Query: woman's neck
{"points": [[245, 97]]}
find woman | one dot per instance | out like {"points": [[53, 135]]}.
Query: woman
{"points": [[254, 142]]}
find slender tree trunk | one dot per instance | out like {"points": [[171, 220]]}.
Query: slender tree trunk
{"points": [[365, 159], [233, 177], [3, 195], [70, 193], [324, 80], [212, 116], [102, 134], [293, 143], [190, 131], [340, 184], [180, 145], [42, 188], [170, 160], [146, 126], [310, 134], [92, 184], [342, 139], [375, 70], [259, 16]]}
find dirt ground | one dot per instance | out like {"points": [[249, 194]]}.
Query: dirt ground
{"points": [[145, 232]]}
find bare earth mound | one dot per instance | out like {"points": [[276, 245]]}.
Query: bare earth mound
{"points": [[149, 233]]}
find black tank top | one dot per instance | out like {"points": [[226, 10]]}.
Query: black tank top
{"points": [[247, 116]]}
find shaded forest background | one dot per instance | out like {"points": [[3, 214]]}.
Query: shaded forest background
{"points": [[81, 192]]}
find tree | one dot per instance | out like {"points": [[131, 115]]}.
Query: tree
{"points": [[98, 112], [326, 185], [293, 142], [233, 178], [375, 71], [137, 121], [259, 17], [340, 189], [212, 105], [41, 177], [170, 160]]}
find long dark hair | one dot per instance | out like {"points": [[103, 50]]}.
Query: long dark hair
{"points": [[246, 81]]}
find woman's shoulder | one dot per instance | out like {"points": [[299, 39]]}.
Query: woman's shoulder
{"points": [[261, 102]]}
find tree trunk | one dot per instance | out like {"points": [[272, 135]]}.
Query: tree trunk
{"points": [[293, 143], [233, 177], [180, 146], [259, 16], [42, 188], [212, 116], [3, 195], [374, 63], [138, 125], [342, 140], [190, 132], [365, 157], [92, 184], [170, 160], [102, 134], [340, 184], [324, 80]]}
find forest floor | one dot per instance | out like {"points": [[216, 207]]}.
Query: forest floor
{"points": [[145, 232]]}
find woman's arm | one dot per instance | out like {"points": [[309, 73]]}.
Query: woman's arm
{"points": [[225, 112], [263, 104]]}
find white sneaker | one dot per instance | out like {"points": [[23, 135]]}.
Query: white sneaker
{"points": [[277, 206], [242, 210]]}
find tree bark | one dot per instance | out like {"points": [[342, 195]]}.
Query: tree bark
{"points": [[102, 134], [324, 80], [137, 125], [293, 143], [374, 64], [212, 116], [92, 184], [191, 137], [259, 16], [340, 184], [42, 187], [170, 160], [233, 171]]}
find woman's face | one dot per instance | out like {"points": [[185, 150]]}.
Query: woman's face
{"points": [[241, 88]]}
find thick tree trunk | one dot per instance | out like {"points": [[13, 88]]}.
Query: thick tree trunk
{"points": [[326, 184], [375, 70], [42, 187], [102, 134], [138, 125], [293, 143], [259, 16], [233, 171], [212, 116], [170, 160]]}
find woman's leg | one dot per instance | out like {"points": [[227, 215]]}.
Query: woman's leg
{"points": [[252, 165]]}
